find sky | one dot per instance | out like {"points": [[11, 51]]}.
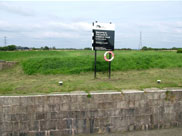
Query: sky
{"points": [[68, 24]]}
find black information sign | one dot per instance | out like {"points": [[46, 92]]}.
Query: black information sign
{"points": [[103, 39], [103, 36]]}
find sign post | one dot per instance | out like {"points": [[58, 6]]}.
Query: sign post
{"points": [[95, 64], [103, 39], [109, 66]]}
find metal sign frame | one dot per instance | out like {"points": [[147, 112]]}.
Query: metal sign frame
{"points": [[103, 39]]}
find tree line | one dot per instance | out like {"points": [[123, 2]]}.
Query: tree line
{"points": [[14, 47], [149, 48]]}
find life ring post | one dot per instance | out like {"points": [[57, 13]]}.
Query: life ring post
{"points": [[109, 66], [95, 70], [109, 60]]}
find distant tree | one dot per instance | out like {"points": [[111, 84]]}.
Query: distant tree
{"points": [[174, 48], [22, 48], [87, 48], [26, 48], [46, 48], [144, 48], [11, 47], [33, 48], [8, 48], [125, 49], [5, 48], [54, 48]]}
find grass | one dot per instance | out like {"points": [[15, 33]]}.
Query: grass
{"points": [[158, 132], [40, 71], [75, 62], [131, 60], [14, 81]]}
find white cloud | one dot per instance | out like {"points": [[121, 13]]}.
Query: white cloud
{"points": [[45, 29], [12, 8], [4, 23], [48, 21], [83, 26], [40, 26], [91, 0], [50, 34], [161, 26], [178, 30], [7, 26]]}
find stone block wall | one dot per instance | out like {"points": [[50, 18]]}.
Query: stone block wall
{"points": [[70, 114]]}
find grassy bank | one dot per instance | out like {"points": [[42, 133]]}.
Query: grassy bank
{"points": [[40, 71], [73, 62], [15, 82]]}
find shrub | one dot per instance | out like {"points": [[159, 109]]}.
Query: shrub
{"points": [[11, 47], [144, 48], [179, 51], [8, 48]]}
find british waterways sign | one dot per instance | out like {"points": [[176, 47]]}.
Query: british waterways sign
{"points": [[103, 36]]}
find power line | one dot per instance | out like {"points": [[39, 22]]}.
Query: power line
{"points": [[5, 42], [140, 43]]}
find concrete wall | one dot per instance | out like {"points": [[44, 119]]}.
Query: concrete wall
{"points": [[69, 114], [6, 64]]}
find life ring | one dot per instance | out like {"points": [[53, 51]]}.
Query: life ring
{"points": [[105, 54]]}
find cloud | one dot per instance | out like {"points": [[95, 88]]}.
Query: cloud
{"points": [[92, 0], [12, 8], [13, 27], [161, 26], [169, 41], [55, 29], [4, 23], [58, 25], [83, 26], [51, 34], [7, 27], [46, 29]]}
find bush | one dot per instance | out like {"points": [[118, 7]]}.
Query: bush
{"points": [[144, 48], [11, 47], [55, 65], [45, 48], [8, 48], [179, 51], [87, 48]]}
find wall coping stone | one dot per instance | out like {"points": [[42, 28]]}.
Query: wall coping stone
{"points": [[132, 91], [97, 93]]}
